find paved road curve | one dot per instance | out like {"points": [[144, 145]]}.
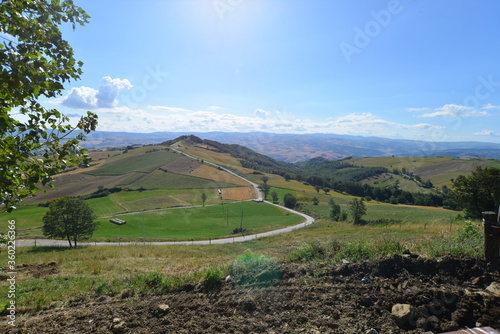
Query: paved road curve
{"points": [[308, 221], [49, 242]]}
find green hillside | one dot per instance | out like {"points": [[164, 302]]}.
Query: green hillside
{"points": [[137, 160]]}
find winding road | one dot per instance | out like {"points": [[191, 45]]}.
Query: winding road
{"points": [[308, 221]]}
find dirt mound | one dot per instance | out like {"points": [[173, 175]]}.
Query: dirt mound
{"points": [[444, 294]]}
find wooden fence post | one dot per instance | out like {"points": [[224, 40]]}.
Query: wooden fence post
{"points": [[491, 237]]}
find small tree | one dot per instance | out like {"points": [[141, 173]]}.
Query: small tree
{"points": [[478, 192], [358, 209], [290, 201], [70, 218], [264, 179], [274, 196], [203, 198], [335, 212], [265, 188]]}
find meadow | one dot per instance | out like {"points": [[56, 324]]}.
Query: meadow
{"points": [[213, 221]]}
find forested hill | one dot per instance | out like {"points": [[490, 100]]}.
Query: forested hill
{"points": [[308, 170], [248, 157]]}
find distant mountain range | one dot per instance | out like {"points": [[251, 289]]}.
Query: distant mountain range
{"points": [[300, 147]]}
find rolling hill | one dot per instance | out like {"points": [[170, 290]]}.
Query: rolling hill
{"points": [[300, 147]]}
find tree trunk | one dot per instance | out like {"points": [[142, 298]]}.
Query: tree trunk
{"points": [[69, 240]]}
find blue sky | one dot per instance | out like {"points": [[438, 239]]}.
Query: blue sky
{"points": [[400, 69]]}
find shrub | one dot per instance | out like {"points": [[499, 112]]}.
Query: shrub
{"points": [[212, 277]]}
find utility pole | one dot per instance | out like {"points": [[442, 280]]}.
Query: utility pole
{"points": [[143, 234], [241, 222]]}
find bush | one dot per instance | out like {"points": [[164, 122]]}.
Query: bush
{"points": [[290, 201], [212, 277]]}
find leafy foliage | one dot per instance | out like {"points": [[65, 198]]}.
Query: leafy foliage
{"points": [[70, 218], [290, 201], [35, 62], [358, 209], [478, 192]]}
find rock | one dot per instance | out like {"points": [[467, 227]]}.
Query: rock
{"points": [[450, 326], [118, 327], [477, 281], [422, 323], [423, 311], [494, 289], [403, 313], [344, 261], [228, 278], [372, 331], [163, 308]]}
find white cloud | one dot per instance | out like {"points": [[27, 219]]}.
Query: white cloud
{"points": [[489, 133], [152, 120], [490, 106], [168, 109], [455, 110], [214, 108], [90, 98], [369, 124], [261, 113], [417, 109], [109, 90], [81, 98]]}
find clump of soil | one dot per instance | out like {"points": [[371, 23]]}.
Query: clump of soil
{"points": [[445, 294], [38, 270]]}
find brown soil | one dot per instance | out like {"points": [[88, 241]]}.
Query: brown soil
{"points": [[215, 174], [447, 294], [182, 165], [238, 194], [76, 184]]}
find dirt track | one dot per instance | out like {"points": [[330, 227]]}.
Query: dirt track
{"points": [[446, 294]]}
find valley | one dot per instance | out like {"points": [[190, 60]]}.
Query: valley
{"points": [[170, 249]]}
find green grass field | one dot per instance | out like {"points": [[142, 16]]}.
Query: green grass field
{"points": [[198, 223], [162, 180]]}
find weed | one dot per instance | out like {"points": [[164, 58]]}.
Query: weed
{"points": [[468, 241], [212, 277], [101, 289], [356, 251]]}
